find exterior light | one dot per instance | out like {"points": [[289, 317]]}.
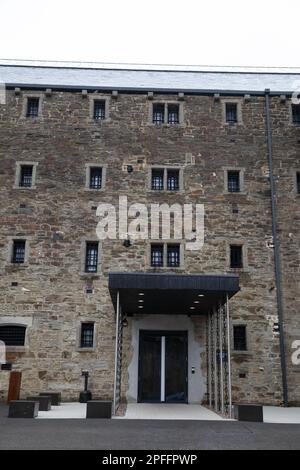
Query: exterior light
{"points": [[196, 302], [141, 306], [141, 300], [141, 293], [192, 308], [200, 295]]}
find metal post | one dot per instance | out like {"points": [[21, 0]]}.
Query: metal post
{"points": [[162, 369], [116, 352], [229, 357], [215, 318], [209, 361], [221, 359]]}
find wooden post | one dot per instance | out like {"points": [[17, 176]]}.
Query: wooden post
{"points": [[14, 386]]}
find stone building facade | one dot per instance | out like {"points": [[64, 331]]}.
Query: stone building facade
{"points": [[51, 293]]}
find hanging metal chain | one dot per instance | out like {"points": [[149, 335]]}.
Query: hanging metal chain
{"points": [[212, 362], [225, 362]]}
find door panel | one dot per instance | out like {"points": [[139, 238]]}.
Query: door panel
{"points": [[176, 369], [150, 368]]}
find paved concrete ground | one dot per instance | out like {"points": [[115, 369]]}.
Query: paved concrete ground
{"points": [[143, 434], [169, 411]]}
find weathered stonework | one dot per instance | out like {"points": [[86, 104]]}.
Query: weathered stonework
{"points": [[58, 216]]}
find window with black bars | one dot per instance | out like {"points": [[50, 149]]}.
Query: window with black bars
{"points": [[231, 112], [236, 256], [296, 113], [157, 256], [239, 338], [173, 180], [91, 258], [18, 252], [99, 110], [87, 335], [13, 335], [32, 107], [298, 182], [26, 176], [96, 178], [233, 179], [173, 114], [173, 256], [158, 116], [157, 179]]}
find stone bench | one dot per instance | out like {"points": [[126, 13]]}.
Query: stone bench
{"points": [[43, 400], [55, 397], [23, 409], [98, 409], [248, 413]]}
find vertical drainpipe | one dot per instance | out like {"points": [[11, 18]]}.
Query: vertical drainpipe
{"points": [[276, 243]]}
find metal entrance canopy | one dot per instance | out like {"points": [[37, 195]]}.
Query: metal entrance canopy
{"points": [[185, 294]]}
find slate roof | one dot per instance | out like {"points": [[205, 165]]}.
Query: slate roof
{"points": [[148, 77]]}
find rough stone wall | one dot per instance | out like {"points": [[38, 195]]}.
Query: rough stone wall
{"points": [[62, 141]]}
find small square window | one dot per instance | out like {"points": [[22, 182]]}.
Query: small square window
{"points": [[95, 178], [18, 251], [32, 107], [173, 114], [233, 179], [296, 113], [231, 113], [87, 335], [173, 256], [157, 179], [239, 338], [26, 172], [236, 256], [157, 256], [99, 110], [298, 182], [173, 180], [91, 258], [158, 113], [13, 335]]}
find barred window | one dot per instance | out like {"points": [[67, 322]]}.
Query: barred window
{"points": [[173, 180], [298, 182], [18, 251], [173, 114], [233, 178], [26, 172], [87, 335], [158, 113], [13, 335], [236, 256], [157, 179], [32, 107], [239, 338], [231, 112], [173, 256], [91, 259], [95, 178], [99, 110], [157, 256], [296, 113]]}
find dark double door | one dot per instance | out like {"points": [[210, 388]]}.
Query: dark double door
{"points": [[163, 362]]}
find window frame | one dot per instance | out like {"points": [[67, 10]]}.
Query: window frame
{"points": [[165, 244], [26, 98], [97, 97], [165, 170], [83, 272], [10, 249], [85, 346], [88, 167], [11, 325], [18, 171], [242, 171], [166, 105], [238, 104], [240, 351], [293, 106]]}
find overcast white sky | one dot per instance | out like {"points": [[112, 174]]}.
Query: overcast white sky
{"points": [[195, 32]]}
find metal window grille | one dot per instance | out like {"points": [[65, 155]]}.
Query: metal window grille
{"points": [[173, 114], [18, 251], [173, 180], [236, 256], [296, 113], [157, 180], [26, 176], [298, 183], [13, 335], [157, 255], [231, 112], [87, 335], [99, 110], [32, 107], [158, 113], [173, 256], [239, 338], [91, 260], [95, 178], [233, 181]]}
